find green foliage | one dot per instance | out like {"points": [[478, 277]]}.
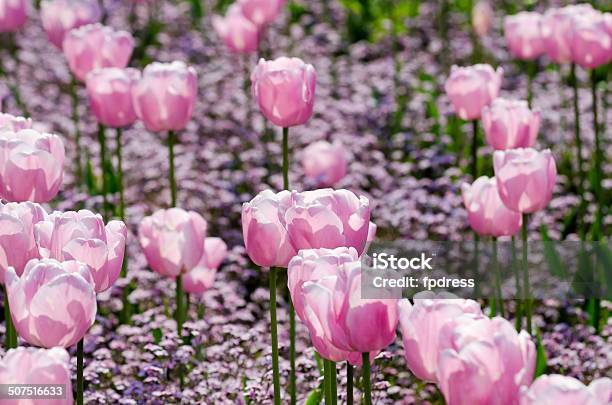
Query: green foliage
{"points": [[541, 359]]}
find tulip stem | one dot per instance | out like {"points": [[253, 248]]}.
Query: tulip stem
{"points": [[500, 299], [11, 333], [77, 132], [334, 382], [286, 158], [532, 69], [594, 302], [474, 150], [327, 382], [273, 333], [349, 383], [367, 384], [526, 293], [102, 143], [171, 141], [118, 152], [518, 316], [79, 398], [578, 140], [178, 315]]}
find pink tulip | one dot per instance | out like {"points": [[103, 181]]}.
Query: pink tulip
{"points": [[17, 239], [96, 46], [68, 285], [472, 88], [29, 365], [110, 95], [591, 39], [482, 18], [510, 124], [557, 389], [60, 16], [173, 240], [13, 14], [239, 33], [487, 214], [82, 236], [324, 163], [421, 323], [202, 277], [10, 122], [165, 96], [325, 287], [557, 25], [327, 218], [523, 35], [265, 236], [525, 178], [284, 89], [482, 361], [31, 165], [261, 12]]}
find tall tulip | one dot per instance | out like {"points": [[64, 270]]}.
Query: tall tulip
{"points": [[324, 163], [421, 323], [60, 16], [238, 32], [164, 99], [31, 165], [559, 389], [483, 361], [261, 12], [510, 124], [39, 366], [13, 14]]}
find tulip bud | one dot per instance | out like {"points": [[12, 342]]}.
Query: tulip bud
{"points": [[110, 95], [60, 16], [591, 39], [510, 124], [239, 33], [557, 25], [523, 35], [472, 88], [13, 14], [324, 163], [261, 12]]}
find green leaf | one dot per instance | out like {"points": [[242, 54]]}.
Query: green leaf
{"points": [[555, 264], [157, 335], [541, 359], [314, 398]]}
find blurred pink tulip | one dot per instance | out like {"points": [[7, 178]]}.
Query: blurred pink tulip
{"points": [[202, 277], [325, 287], [30, 365], [60, 16], [31, 165], [238, 32], [420, 324], [483, 361], [265, 236], [165, 96], [68, 285], [487, 214], [110, 95], [510, 124], [591, 39], [96, 46], [472, 88], [327, 218], [557, 24], [173, 240], [261, 12], [482, 18], [82, 236], [10, 122], [523, 35], [284, 89], [13, 14], [558, 389], [324, 163], [17, 239], [525, 178]]}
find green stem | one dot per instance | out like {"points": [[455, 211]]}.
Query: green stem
{"points": [[349, 383], [77, 131], [527, 298], [327, 382], [171, 141], [286, 158], [531, 73], [474, 150], [333, 385], [500, 298], [11, 333], [274, 335], [79, 398], [598, 159], [578, 140], [178, 314], [518, 316], [367, 384], [102, 143], [118, 151]]}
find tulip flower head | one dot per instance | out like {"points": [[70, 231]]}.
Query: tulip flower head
{"points": [[525, 178], [324, 163], [591, 39], [96, 46], [10, 122], [261, 12], [284, 89], [421, 323], [173, 240], [60, 16], [31, 165], [17, 238], [559, 389], [13, 14], [164, 98], [523, 35], [482, 18], [483, 361], [82, 236], [202, 277], [27, 365], [110, 95], [238, 32], [68, 285], [472, 88], [510, 124]]}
